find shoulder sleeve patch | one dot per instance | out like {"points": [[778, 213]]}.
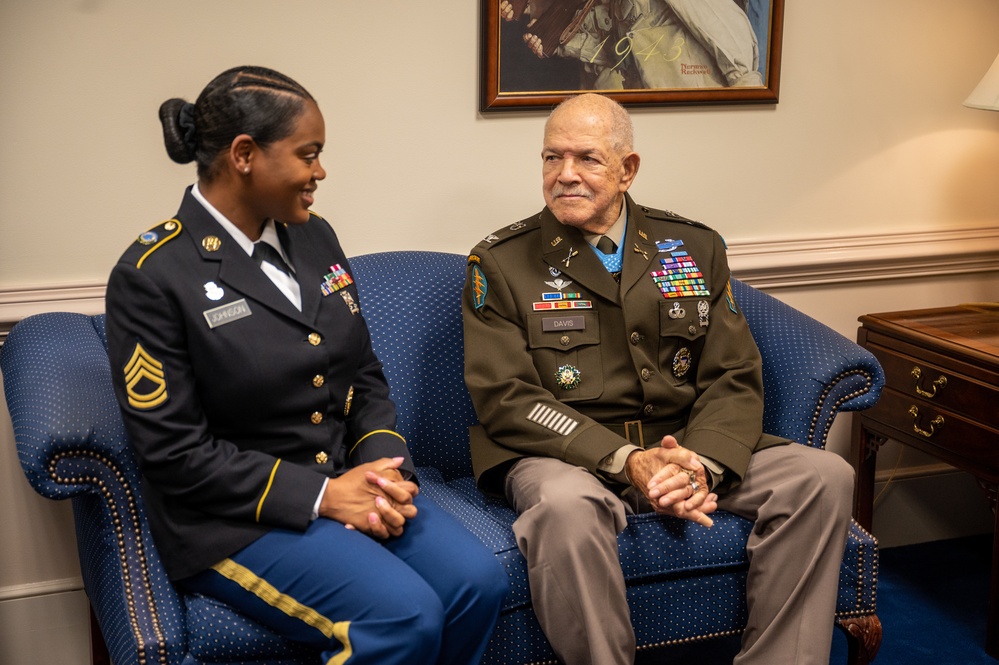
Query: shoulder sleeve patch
{"points": [[158, 236], [479, 285]]}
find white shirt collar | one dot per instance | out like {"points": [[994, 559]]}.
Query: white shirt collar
{"points": [[268, 235]]}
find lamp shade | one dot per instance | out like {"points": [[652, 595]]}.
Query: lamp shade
{"points": [[986, 94]]}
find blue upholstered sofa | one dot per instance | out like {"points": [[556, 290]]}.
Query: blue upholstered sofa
{"points": [[72, 444]]}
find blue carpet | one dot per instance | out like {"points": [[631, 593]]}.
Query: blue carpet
{"points": [[932, 602]]}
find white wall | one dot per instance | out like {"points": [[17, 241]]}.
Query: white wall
{"points": [[869, 133], [869, 140]]}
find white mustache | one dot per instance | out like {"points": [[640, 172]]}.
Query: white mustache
{"points": [[559, 190]]}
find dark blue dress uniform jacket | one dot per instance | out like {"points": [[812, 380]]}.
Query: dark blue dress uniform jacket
{"points": [[237, 404]]}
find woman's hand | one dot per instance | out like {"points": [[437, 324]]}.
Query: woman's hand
{"points": [[372, 498]]}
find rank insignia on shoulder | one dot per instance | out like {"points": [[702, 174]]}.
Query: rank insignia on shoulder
{"points": [[145, 381], [154, 240], [480, 287]]}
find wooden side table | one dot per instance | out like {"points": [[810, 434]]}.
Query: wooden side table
{"points": [[941, 396]]}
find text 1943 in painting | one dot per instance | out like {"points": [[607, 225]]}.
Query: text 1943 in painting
{"points": [[640, 52]]}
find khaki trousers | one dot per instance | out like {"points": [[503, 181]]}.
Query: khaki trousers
{"points": [[800, 500]]}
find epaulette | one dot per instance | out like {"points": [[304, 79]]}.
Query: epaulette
{"points": [[670, 216], [156, 237], [506, 233]]}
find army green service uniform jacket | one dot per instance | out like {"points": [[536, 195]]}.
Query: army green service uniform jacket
{"points": [[239, 405], [559, 356]]}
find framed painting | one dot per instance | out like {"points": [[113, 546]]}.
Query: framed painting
{"points": [[535, 53]]}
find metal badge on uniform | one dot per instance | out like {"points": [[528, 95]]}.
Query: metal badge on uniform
{"points": [[322, 457], [224, 314], [211, 243], [668, 245], [351, 305], [681, 362], [702, 312], [567, 377], [480, 287], [569, 256], [559, 283], [677, 312], [148, 238], [213, 291], [491, 238], [348, 402]]}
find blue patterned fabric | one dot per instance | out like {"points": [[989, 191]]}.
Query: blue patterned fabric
{"points": [[71, 444]]}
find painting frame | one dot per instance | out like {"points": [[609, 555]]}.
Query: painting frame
{"points": [[505, 57]]}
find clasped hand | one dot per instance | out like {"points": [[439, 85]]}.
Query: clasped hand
{"points": [[661, 474], [372, 498]]}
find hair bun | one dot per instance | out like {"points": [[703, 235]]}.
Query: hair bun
{"points": [[179, 131]]}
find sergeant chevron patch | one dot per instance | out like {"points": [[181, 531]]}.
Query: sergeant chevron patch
{"points": [[552, 419], [145, 381]]}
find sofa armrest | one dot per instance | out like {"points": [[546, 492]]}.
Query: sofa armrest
{"points": [[71, 443], [810, 371]]}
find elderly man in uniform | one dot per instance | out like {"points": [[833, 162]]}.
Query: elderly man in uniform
{"points": [[613, 372]]}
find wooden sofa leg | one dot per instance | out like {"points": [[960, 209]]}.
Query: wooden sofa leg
{"points": [[863, 638], [98, 649]]}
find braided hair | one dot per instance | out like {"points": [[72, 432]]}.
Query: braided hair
{"points": [[249, 100]]}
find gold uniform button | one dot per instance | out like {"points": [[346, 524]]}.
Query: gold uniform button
{"points": [[635, 338], [318, 380], [649, 409], [321, 457], [564, 341], [646, 374], [315, 339], [316, 418]]}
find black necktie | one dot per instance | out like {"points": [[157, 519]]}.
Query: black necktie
{"points": [[606, 245], [263, 251]]}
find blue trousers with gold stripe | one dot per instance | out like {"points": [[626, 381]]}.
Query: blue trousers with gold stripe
{"points": [[431, 595]]}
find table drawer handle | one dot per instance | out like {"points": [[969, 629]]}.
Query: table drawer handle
{"points": [[939, 384], [934, 424]]}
